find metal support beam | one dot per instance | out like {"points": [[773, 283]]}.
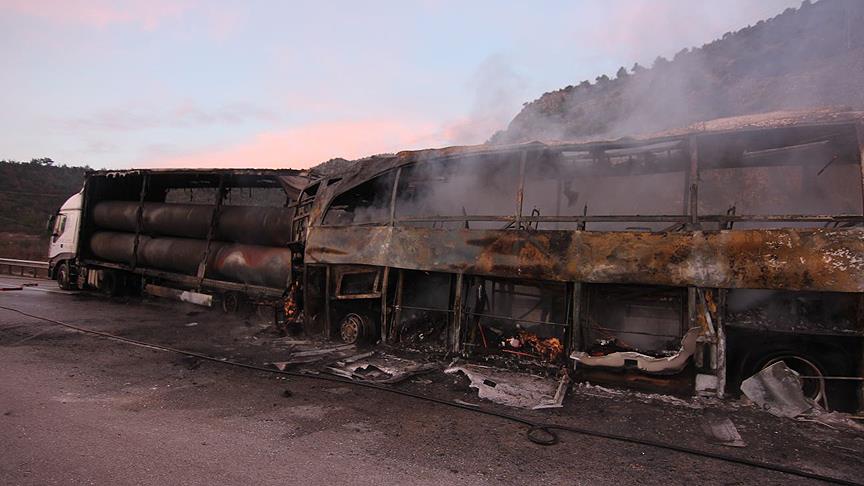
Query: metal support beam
{"points": [[214, 221], [721, 342], [692, 195], [328, 325], [393, 196], [397, 313], [385, 324], [455, 335], [520, 194], [139, 219], [576, 331], [691, 321], [860, 130]]}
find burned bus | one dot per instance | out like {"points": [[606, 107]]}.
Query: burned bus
{"points": [[685, 261]]}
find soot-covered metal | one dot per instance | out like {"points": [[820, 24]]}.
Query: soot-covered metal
{"points": [[771, 202]]}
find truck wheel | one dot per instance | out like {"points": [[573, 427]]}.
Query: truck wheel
{"points": [[111, 284], [231, 302], [64, 277], [131, 285]]}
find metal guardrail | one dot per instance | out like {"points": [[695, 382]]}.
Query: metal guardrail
{"points": [[31, 268]]}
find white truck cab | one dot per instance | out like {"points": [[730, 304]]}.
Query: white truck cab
{"points": [[63, 245]]}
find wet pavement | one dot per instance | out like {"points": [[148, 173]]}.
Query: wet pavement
{"points": [[77, 409]]}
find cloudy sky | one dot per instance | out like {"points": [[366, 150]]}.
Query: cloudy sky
{"points": [[158, 83]]}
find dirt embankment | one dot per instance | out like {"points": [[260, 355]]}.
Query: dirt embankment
{"points": [[23, 246]]}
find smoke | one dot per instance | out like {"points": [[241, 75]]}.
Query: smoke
{"points": [[744, 176], [470, 186], [801, 58], [497, 92]]}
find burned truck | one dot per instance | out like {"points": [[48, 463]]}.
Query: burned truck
{"points": [[685, 261], [188, 234]]}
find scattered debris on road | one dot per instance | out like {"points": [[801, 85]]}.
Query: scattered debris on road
{"points": [[520, 390], [721, 430], [379, 367], [777, 390]]}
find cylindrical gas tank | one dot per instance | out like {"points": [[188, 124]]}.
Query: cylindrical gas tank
{"points": [[250, 264], [269, 266], [239, 224]]}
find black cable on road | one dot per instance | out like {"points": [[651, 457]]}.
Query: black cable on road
{"points": [[538, 432]]}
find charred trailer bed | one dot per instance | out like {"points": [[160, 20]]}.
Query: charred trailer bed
{"points": [[629, 261]]}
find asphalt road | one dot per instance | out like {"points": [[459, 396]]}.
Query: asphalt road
{"points": [[75, 409]]}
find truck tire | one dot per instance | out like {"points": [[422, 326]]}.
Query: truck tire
{"points": [[111, 283], [64, 277], [231, 302]]}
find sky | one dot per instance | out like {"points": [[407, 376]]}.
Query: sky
{"points": [[194, 83]]}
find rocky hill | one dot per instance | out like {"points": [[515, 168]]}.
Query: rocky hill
{"points": [[806, 57]]}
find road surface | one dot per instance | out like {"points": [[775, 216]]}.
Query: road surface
{"points": [[76, 409]]}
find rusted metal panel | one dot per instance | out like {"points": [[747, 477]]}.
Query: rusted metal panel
{"points": [[820, 259]]}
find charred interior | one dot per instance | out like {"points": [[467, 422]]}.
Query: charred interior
{"points": [[643, 260]]}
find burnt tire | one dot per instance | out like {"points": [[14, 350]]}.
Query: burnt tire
{"points": [[355, 329], [804, 361], [805, 366], [64, 277]]}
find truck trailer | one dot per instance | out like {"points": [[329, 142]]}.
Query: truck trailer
{"points": [[198, 235]]}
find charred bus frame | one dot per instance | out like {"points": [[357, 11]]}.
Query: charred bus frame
{"points": [[686, 260]]}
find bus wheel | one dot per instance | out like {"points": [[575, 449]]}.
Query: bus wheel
{"points": [[813, 381], [354, 329], [64, 277]]}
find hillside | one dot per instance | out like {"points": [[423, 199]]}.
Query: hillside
{"points": [[30, 192], [806, 57]]}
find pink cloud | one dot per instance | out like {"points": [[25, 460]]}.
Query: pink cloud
{"points": [[305, 146], [100, 13], [184, 114]]}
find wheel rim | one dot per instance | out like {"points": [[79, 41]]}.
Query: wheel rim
{"points": [[814, 385], [351, 328], [231, 303]]}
